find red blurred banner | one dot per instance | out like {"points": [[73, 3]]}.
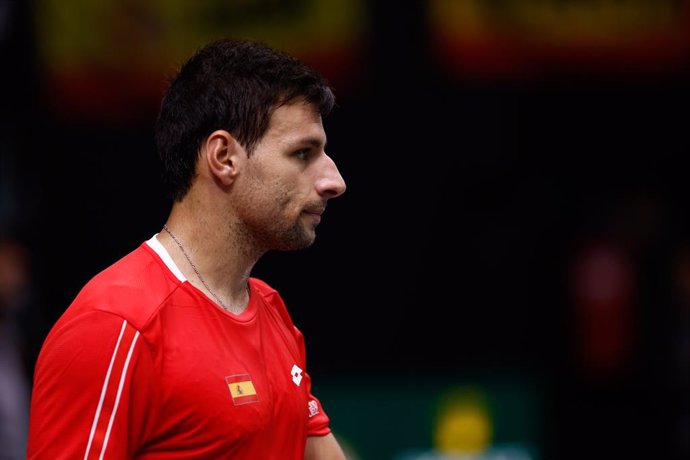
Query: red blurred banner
{"points": [[516, 39], [110, 59]]}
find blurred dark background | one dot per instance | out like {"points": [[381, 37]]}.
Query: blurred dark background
{"points": [[517, 219]]}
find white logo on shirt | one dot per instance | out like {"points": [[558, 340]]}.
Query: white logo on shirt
{"points": [[313, 408], [296, 374]]}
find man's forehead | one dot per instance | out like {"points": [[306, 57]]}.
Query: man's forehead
{"points": [[299, 122]]}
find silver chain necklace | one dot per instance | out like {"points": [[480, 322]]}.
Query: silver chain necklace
{"points": [[165, 227]]}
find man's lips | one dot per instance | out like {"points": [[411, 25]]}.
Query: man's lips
{"points": [[315, 214]]}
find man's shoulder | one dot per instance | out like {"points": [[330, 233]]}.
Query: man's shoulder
{"points": [[133, 287], [262, 287], [268, 294], [272, 299]]}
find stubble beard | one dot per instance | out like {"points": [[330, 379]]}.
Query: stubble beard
{"points": [[295, 238], [274, 236]]}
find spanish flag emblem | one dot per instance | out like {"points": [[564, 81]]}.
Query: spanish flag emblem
{"points": [[241, 389]]}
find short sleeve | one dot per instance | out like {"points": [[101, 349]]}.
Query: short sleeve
{"points": [[92, 390]]}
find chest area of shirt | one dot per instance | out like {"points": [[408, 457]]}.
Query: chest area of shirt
{"points": [[232, 380]]}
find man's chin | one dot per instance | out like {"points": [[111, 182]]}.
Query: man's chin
{"points": [[297, 242]]}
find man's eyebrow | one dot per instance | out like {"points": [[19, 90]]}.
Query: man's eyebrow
{"points": [[313, 142]]}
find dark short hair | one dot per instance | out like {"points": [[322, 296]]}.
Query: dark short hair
{"points": [[234, 85]]}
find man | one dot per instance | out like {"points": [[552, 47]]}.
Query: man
{"points": [[175, 351]]}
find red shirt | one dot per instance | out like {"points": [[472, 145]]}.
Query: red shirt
{"points": [[143, 365]]}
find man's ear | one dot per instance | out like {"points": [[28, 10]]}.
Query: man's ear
{"points": [[223, 155]]}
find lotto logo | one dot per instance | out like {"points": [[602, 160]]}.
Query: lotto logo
{"points": [[296, 374]]}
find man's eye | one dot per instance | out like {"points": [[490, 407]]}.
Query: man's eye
{"points": [[302, 154]]}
